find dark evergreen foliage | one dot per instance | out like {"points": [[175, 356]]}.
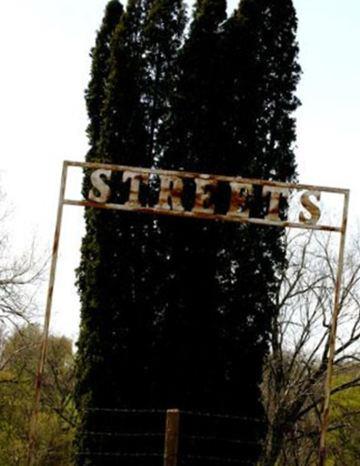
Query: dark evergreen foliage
{"points": [[92, 358], [163, 32], [100, 55], [189, 314], [260, 54], [232, 114], [115, 345], [176, 313]]}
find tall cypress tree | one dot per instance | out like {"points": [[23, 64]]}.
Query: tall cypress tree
{"points": [[115, 344], [162, 36], [260, 53], [260, 56], [92, 360], [105, 343], [232, 114], [191, 314], [188, 316], [261, 136]]}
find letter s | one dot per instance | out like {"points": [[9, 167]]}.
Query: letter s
{"points": [[98, 185], [312, 208]]}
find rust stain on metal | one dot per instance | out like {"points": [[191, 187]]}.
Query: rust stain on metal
{"points": [[192, 175], [171, 186], [202, 216]]}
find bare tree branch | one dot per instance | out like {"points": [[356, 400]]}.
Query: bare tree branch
{"points": [[296, 368]]}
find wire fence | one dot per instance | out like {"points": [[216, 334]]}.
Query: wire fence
{"points": [[142, 437]]}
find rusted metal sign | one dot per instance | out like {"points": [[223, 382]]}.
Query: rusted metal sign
{"points": [[211, 197]]}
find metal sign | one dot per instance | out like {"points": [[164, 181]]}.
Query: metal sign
{"points": [[211, 197]]}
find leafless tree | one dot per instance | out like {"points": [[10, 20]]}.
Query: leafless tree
{"points": [[20, 277], [296, 367]]}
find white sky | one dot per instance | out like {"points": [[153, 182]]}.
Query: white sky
{"points": [[44, 50]]}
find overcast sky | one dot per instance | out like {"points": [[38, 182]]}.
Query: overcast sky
{"points": [[44, 50]]}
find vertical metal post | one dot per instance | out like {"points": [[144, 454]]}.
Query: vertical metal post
{"points": [[45, 337], [172, 437], [333, 333]]}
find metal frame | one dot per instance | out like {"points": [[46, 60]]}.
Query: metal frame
{"points": [[283, 224]]}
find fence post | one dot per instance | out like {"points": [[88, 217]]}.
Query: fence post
{"points": [[172, 437]]}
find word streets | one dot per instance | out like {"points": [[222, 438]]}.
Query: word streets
{"points": [[204, 196]]}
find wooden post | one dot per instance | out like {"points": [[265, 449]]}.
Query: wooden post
{"points": [[172, 437]]}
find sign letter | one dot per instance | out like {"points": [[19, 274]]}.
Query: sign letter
{"points": [[135, 181], [170, 193], [312, 208], [274, 206], [240, 194], [99, 186], [203, 202]]}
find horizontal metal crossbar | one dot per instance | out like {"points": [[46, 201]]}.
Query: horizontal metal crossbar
{"points": [[172, 188], [186, 174]]}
